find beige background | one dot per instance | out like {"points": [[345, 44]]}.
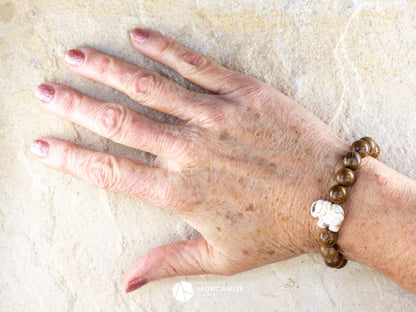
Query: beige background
{"points": [[64, 245]]}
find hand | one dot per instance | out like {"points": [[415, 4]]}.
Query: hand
{"points": [[242, 166]]}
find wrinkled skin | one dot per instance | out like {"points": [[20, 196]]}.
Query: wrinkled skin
{"points": [[242, 166]]}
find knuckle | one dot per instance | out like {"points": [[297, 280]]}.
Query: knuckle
{"points": [[69, 103], [169, 270], [183, 146], [144, 86], [162, 194], [111, 121], [66, 158], [168, 197], [190, 198], [102, 170], [192, 63], [254, 89], [250, 88], [259, 96], [164, 47], [101, 64], [219, 116]]}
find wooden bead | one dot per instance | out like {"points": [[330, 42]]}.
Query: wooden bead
{"points": [[376, 152], [329, 252], [345, 176], [352, 160], [361, 147], [334, 262], [328, 238], [338, 194], [343, 263], [371, 143]]}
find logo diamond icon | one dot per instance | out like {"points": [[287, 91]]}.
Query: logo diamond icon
{"points": [[183, 291]]}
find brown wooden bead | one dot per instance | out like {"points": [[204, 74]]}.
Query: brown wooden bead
{"points": [[343, 263], [352, 160], [329, 252], [334, 262], [328, 238], [345, 176], [376, 152], [371, 143], [361, 147], [338, 194]]}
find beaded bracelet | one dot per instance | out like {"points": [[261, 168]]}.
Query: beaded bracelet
{"points": [[330, 213]]}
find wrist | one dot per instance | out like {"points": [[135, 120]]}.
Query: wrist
{"points": [[379, 225], [329, 161], [379, 220], [359, 215], [361, 196]]}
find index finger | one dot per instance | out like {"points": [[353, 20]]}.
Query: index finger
{"points": [[193, 66]]}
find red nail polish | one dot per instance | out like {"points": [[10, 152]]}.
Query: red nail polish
{"points": [[136, 283], [75, 57], [45, 93], [140, 35], [40, 148]]}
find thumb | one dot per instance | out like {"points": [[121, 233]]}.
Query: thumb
{"points": [[189, 257]]}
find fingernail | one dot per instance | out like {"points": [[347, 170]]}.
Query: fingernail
{"points": [[140, 35], [136, 283], [75, 57], [45, 92], [40, 148]]}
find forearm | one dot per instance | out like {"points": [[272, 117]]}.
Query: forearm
{"points": [[379, 229]]}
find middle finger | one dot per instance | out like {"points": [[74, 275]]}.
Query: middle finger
{"points": [[114, 121], [142, 85]]}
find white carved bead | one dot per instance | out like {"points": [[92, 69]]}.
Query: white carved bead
{"points": [[330, 215]]}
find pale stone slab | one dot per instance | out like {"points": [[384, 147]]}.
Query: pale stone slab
{"points": [[64, 245]]}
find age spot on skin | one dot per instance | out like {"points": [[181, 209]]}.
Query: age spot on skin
{"points": [[250, 208], [273, 166], [218, 228], [224, 136], [233, 217], [245, 252], [309, 151], [382, 180]]}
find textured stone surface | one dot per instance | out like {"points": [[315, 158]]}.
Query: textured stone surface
{"points": [[64, 245]]}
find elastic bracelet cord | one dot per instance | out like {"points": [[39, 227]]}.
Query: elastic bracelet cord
{"points": [[330, 213]]}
